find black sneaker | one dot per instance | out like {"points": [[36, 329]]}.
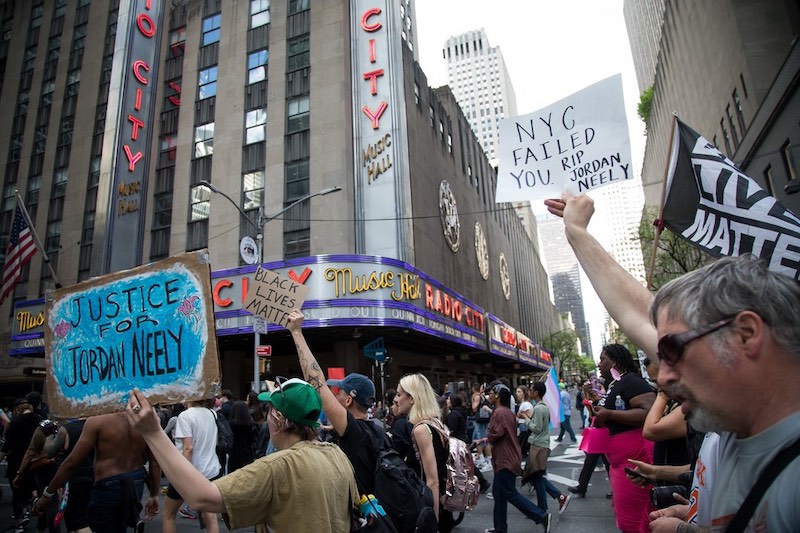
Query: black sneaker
{"points": [[577, 491], [547, 522]]}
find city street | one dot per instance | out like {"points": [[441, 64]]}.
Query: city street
{"points": [[590, 514]]}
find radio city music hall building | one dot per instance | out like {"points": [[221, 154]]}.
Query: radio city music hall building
{"points": [[120, 112]]}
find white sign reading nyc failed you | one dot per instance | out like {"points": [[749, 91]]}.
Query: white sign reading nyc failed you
{"points": [[577, 144]]}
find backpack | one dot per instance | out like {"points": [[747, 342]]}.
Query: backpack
{"points": [[224, 434], [403, 495], [461, 484]]}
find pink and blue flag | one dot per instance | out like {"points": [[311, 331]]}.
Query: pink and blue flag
{"points": [[553, 398]]}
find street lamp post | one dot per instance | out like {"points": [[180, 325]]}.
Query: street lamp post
{"points": [[262, 221]]}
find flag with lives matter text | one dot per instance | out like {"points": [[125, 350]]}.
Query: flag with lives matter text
{"points": [[712, 204]]}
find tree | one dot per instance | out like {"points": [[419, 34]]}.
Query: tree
{"points": [[674, 258], [645, 105], [563, 346], [617, 336]]}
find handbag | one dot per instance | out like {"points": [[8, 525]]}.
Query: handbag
{"points": [[595, 439]]}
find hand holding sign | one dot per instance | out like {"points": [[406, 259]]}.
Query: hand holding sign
{"points": [[273, 297], [576, 144]]}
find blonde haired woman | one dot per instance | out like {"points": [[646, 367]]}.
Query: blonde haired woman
{"points": [[417, 399]]}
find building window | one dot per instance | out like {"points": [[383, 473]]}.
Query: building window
{"points": [[252, 190], [296, 6], [769, 180], [297, 114], [789, 161], [177, 41], [296, 180], [201, 203], [416, 93], [60, 178], [296, 243], [298, 53], [259, 13], [430, 112], [257, 66], [255, 123], [211, 29], [738, 108], [207, 81], [732, 124], [204, 140], [449, 143], [726, 138]]}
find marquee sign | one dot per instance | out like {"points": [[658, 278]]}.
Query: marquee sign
{"points": [[383, 198], [134, 134]]}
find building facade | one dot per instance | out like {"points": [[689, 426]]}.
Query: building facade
{"points": [[729, 70], [127, 115]]}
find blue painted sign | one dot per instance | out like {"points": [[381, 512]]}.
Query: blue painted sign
{"points": [[151, 328]]}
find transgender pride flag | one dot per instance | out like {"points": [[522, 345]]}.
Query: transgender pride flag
{"points": [[552, 398]]}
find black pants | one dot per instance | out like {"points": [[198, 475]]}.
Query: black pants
{"points": [[589, 464]]}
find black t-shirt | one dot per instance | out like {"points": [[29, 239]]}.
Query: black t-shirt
{"points": [[359, 443], [627, 387]]}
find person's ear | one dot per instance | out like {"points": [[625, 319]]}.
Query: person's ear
{"points": [[749, 332]]}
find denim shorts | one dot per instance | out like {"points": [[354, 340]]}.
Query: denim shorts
{"points": [[479, 431]]}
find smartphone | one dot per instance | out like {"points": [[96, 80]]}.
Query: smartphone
{"points": [[634, 473]]}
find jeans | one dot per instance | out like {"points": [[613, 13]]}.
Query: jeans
{"points": [[505, 491], [566, 425], [108, 506], [543, 487]]}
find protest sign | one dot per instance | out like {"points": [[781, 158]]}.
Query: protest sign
{"points": [[577, 144], [272, 296], [151, 327]]}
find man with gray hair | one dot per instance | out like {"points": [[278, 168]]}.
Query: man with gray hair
{"points": [[719, 333]]}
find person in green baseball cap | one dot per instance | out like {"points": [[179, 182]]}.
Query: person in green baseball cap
{"points": [[276, 491]]}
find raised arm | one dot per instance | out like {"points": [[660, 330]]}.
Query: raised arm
{"points": [[336, 413], [625, 298]]}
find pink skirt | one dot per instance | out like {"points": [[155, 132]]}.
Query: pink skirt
{"points": [[631, 502]]}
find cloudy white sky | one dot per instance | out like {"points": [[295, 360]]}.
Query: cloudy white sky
{"points": [[551, 48]]}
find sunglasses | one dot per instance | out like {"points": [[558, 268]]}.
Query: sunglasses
{"points": [[672, 345]]}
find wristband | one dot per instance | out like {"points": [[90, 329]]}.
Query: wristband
{"points": [[47, 494]]}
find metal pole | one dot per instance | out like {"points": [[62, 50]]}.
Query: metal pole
{"points": [[256, 363]]}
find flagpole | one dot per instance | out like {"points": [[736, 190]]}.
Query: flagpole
{"points": [[658, 223], [28, 221]]}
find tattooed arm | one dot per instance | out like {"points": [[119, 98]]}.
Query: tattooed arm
{"points": [[336, 413]]}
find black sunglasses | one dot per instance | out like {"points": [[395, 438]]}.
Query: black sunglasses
{"points": [[672, 345]]}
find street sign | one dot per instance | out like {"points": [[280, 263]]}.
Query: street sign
{"points": [[264, 350], [259, 324], [375, 350]]}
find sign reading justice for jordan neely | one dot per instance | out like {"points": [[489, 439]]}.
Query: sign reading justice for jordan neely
{"points": [[150, 327], [577, 144]]}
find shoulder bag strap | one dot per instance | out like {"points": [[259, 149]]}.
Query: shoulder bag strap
{"points": [[778, 463]]}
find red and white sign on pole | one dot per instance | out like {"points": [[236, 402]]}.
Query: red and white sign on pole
{"points": [[264, 350]]}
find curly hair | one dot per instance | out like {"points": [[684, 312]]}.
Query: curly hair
{"points": [[621, 357]]}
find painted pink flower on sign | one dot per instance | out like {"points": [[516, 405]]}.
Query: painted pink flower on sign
{"points": [[187, 308], [62, 329]]}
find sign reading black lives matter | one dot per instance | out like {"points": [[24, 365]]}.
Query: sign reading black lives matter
{"points": [[151, 327], [715, 206], [577, 144], [272, 296]]}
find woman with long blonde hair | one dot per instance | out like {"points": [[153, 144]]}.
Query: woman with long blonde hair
{"points": [[416, 398]]}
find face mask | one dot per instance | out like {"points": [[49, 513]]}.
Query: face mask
{"points": [[615, 373]]}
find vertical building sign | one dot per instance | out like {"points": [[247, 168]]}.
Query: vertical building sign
{"points": [[380, 152], [134, 136]]}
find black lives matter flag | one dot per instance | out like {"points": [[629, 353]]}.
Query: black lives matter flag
{"points": [[713, 205]]}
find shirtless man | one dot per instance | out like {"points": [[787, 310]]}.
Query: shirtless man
{"points": [[120, 454]]}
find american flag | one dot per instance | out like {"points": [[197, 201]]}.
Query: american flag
{"points": [[20, 250]]}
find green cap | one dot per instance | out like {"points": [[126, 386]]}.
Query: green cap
{"points": [[296, 400]]}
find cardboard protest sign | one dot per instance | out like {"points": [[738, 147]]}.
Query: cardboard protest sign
{"points": [[151, 327], [577, 144], [272, 296]]}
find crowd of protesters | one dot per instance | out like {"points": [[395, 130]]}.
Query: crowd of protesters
{"points": [[684, 446]]}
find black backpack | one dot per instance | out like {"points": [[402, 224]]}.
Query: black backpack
{"points": [[403, 495], [224, 434]]}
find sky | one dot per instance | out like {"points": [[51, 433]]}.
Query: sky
{"points": [[552, 49]]}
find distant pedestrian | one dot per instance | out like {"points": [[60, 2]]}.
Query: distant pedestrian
{"points": [[566, 414]]}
